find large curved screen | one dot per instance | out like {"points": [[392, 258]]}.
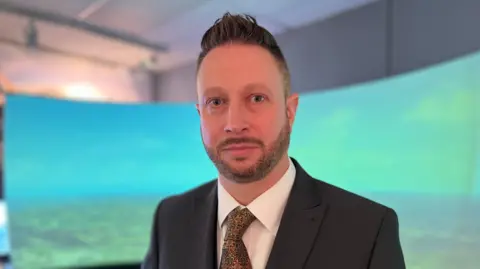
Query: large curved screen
{"points": [[83, 179]]}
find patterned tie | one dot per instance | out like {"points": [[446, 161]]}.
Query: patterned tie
{"points": [[234, 252]]}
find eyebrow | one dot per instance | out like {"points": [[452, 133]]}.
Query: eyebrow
{"points": [[256, 86], [212, 90], [249, 87]]}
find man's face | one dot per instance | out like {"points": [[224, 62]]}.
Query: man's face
{"points": [[245, 119]]}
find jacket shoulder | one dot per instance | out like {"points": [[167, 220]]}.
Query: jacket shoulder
{"points": [[175, 204], [345, 200]]}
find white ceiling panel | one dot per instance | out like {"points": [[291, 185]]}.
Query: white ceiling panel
{"points": [[174, 59], [266, 7], [81, 42], [189, 26], [12, 27], [192, 25], [140, 16], [271, 24], [64, 7], [181, 52], [298, 15]]}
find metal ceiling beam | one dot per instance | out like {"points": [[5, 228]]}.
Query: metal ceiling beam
{"points": [[91, 9], [79, 24], [50, 50]]}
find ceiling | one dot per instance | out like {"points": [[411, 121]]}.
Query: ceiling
{"points": [[178, 25]]}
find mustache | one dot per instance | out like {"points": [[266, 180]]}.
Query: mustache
{"points": [[239, 140]]}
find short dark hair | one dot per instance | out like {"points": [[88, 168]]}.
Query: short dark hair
{"points": [[243, 29]]}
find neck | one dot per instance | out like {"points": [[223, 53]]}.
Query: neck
{"points": [[245, 193]]}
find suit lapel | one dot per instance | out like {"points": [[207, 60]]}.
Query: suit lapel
{"points": [[300, 223], [204, 231]]}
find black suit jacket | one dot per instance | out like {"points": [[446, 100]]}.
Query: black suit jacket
{"points": [[323, 227]]}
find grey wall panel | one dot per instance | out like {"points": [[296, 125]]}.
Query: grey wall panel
{"points": [[346, 49], [427, 32], [178, 85]]}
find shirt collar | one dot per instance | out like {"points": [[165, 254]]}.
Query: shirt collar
{"points": [[267, 208]]}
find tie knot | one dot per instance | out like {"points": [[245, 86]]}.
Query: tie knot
{"points": [[237, 223]]}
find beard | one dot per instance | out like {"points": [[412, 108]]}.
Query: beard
{"points": [[270, 157]]}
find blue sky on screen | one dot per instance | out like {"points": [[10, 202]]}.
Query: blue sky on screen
{"points": [[412, 133]]}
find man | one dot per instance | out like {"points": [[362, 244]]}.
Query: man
{"points": [[264, 210]]}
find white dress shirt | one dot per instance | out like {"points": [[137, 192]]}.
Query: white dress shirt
{"points": [[267, 208]]}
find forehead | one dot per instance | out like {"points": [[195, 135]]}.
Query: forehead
{"points": [[235, 66]]}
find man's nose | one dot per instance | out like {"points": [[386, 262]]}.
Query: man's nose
{"points": [[236, 120]]}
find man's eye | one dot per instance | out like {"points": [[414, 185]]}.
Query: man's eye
{"points": [[214, 102], [258, 98]]}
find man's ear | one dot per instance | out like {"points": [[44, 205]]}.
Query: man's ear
{"points": [[292, 104], [198, 108]]}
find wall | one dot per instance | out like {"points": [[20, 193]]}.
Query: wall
{"points": [[177, 85], [45, 74], [431, 31], [384, 38], [343, 50]]}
